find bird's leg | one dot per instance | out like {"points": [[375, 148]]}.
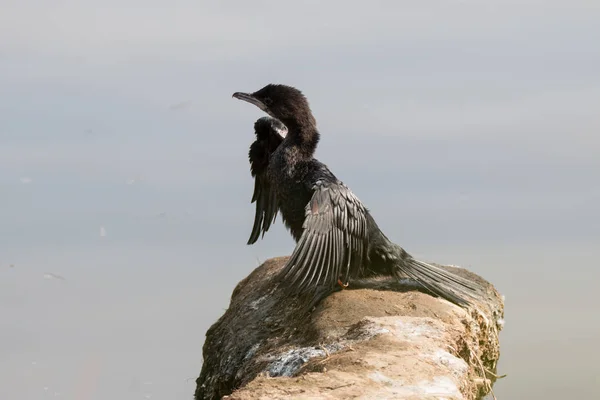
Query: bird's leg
{"points": [[343, 285]]}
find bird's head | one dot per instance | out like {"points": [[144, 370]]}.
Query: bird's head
{"points": [[286, 103]]}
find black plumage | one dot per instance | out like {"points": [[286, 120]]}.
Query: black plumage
{"points": [[337, 239], [269, 135]]}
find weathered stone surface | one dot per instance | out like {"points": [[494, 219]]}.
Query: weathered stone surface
{"points": [[378, 339]]}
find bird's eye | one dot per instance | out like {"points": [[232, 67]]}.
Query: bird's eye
{"points": [[268, 101]]}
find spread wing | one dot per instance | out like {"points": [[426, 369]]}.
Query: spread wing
{"points": [[334, 241], [270, 133]]}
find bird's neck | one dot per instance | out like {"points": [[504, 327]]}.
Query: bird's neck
{"points": [[303, 134]]}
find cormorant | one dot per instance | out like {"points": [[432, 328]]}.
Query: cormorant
{"points": [[270, 132], [336, 237]]}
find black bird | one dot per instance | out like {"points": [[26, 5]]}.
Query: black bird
{"points": [[336, 237], [270, 132]]}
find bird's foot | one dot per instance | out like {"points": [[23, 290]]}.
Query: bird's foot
{"points": [[343, 285]]}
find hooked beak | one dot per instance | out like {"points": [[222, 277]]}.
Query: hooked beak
{"points": [[250, 99]]}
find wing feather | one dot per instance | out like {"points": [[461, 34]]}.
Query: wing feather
{"points": [[269, 135], [334, 237]]}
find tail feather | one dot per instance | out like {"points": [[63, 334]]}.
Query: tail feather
{"points": [[441, 282]]}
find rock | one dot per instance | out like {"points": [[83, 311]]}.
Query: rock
{"points": [[377, 339]]}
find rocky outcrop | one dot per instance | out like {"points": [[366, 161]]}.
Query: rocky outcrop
{"points": [[377, 339]]}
